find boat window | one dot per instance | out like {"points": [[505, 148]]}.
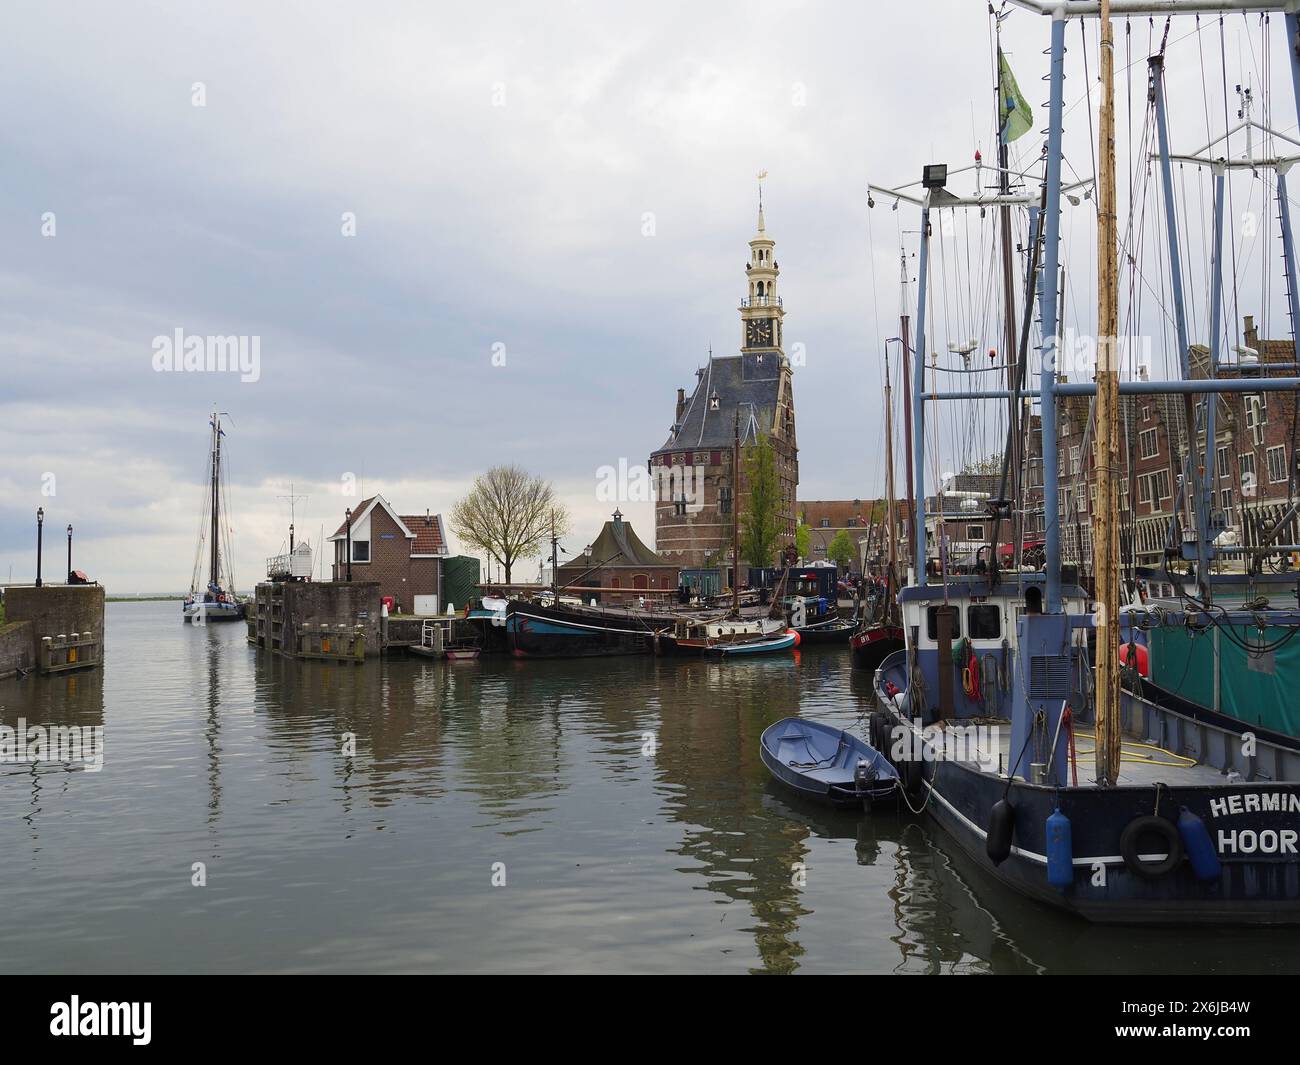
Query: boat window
{"points": [[984, 622], [932, 623]]}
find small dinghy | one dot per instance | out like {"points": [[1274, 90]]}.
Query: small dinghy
{"points": [[827, 764]]}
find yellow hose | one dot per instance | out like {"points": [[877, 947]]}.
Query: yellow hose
{"points": [[1126, 746]]}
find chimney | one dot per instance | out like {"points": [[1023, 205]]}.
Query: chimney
{"points": [[681, 404], [1251, 335], [428, 518]]}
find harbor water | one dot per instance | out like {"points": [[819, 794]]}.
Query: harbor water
{"points": [[265, 815]]}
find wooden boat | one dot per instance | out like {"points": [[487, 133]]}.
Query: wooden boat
{"points": [[872, 644], [721, 635], [827, 764], [762, 645], [834, 632]]}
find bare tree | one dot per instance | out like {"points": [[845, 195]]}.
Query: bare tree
{"points": [[508, 513]]}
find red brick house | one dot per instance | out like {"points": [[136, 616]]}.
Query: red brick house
{"points": [[403, 552]]}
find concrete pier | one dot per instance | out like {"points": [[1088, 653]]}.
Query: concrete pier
{"points": [[52, 629], [333, 620]]}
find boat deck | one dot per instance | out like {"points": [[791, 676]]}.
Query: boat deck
{"points": [[988, 743]]}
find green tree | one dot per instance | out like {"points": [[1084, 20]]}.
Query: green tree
{"points": [[761, 521], [802, 539], [842, 550], [508, 513]]}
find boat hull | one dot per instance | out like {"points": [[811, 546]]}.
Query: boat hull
{"points": [[871, 646], [835, 634], [1254, 827], [544, 632], [209, 613]]}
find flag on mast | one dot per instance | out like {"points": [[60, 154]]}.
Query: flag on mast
{"points": [[1015, 116]]}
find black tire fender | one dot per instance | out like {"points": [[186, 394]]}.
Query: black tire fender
{"points": [[1144, 828]]}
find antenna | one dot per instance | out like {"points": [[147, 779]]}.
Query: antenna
{"points": [[292, 500]]}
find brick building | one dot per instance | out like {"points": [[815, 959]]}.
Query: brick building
{"points": [[1251, 481], [404, 553], [695, 486], [863, 520], [617, 568]]}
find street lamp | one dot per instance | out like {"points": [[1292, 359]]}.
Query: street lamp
{"points": [[69, 552], [40, 523], [348, 555]]}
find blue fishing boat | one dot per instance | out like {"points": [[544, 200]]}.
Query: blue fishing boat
{"points": [[1007, 713], [827, 764]]}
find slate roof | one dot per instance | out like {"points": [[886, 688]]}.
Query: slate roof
{"points": [[740, 381]]}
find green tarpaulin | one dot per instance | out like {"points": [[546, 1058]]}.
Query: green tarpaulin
{"points": [[1262, 689]]}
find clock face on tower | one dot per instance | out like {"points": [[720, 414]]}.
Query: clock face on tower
{"points": [[758, 332]]}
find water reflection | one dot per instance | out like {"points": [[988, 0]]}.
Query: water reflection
{"points": [[626, 798]]}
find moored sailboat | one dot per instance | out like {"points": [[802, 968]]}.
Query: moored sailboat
{"points": [[212, 595]]}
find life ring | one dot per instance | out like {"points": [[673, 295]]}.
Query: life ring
{"points": [[1144, 828]]}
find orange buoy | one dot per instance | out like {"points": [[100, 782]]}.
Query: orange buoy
{"points": [[1140, 655], [797, 641]]}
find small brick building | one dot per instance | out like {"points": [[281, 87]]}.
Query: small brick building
{"points": [[618, 568], [403, 552]]}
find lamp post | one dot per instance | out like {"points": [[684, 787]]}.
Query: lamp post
{"points": [[348, 556], [69, 552], [40, 531]]}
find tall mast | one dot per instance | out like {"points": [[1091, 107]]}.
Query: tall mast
{"points": [[889, 477], [214, 576], [735, 519], [1008, 310], [904, 323], [1106, 543]]}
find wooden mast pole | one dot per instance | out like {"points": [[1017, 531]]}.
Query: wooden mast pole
{"points": [[892, 530], [1106, 541], [735, 518]]}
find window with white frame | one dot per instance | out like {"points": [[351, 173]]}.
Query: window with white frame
{"points": [[974, 532], [1223, 462], [1256, 416], [1148, 444], [1276, 458]]}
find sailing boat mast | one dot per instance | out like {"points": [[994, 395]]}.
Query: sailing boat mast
{"points": [[1008, 311], [214, 576], [891, 534], [1106, 541], [735, 519]]}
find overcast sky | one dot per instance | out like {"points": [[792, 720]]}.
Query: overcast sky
{"points": [[568, 185]]}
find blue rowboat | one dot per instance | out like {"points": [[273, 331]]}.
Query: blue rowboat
{"points": [[781, 641], [826, 763]]}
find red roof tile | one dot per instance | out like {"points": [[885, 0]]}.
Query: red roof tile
{"points": [[428, 533]]}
